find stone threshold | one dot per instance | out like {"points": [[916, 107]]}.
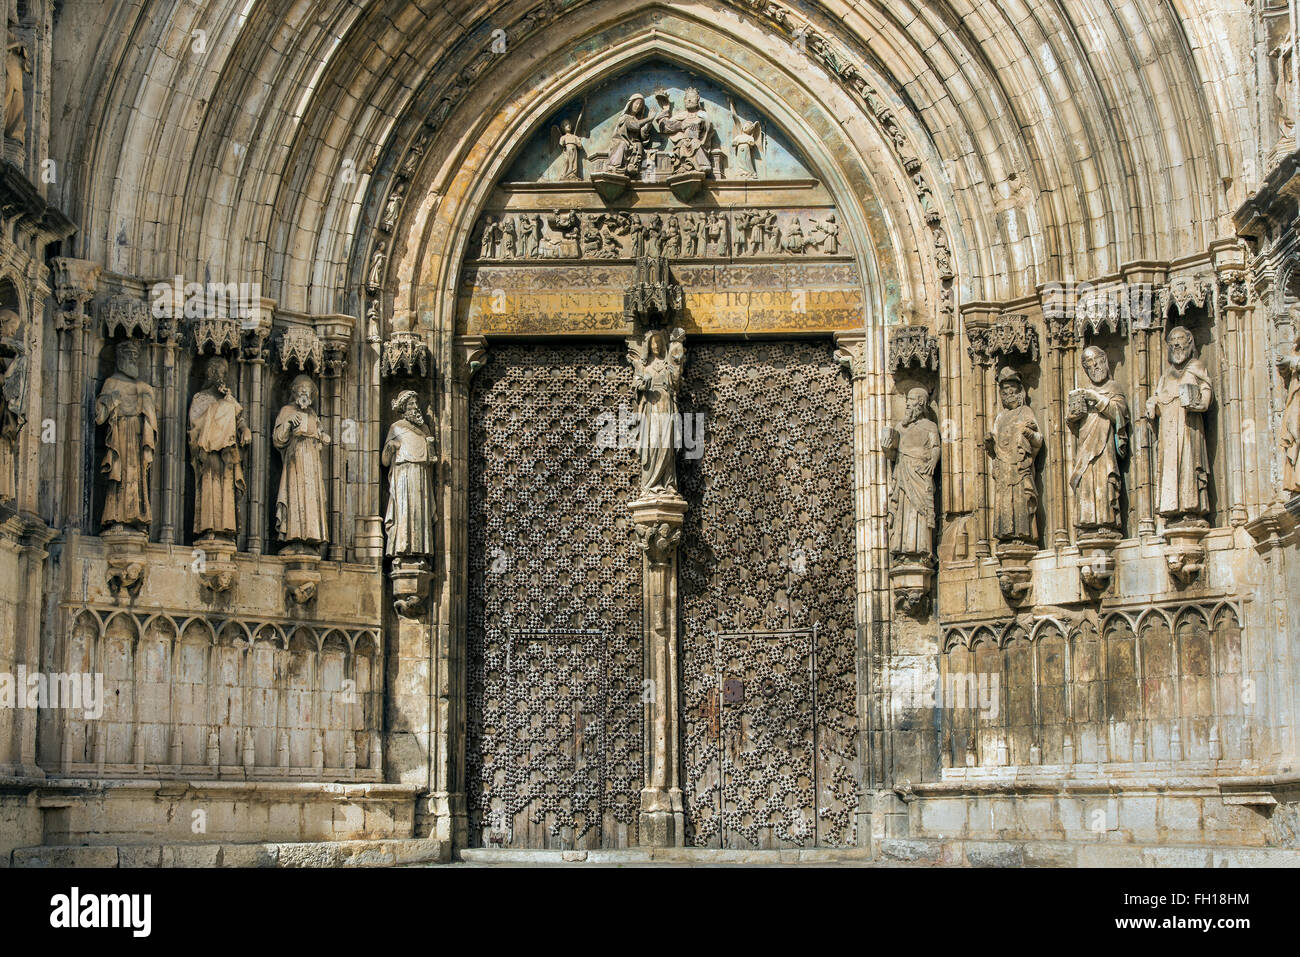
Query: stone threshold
{"points": [[390, 853], [641, 856]]}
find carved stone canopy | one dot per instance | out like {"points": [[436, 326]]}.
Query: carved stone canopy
{"points": [[215, 335], [404, 354], [301, 348], [1182, 293], [653, 295], [129, 316], [1009, 336], [913, 346]]}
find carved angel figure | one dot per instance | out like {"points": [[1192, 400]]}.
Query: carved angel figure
{"points": [[657, 363], [746, 140], [568, 138]]}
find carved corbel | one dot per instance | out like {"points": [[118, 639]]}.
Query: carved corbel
{"points": [[1184, 551], [214, 561], [471, 355], [127, 564]]}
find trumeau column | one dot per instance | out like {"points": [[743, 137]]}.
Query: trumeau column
{"points": [[658, 523]]}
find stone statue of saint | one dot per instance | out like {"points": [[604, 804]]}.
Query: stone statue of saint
{"points": [[631, 133], [126, 407], [409, 454], [1284, 88], [1182, 395], [745, 139], [914, 448], [1289, 367], [657, 363], [13, 399], [16, 65], [1013, 445], [690, 132], [300, 504], [393, 207], [567, 138], [218, 433], [1099, 415]]}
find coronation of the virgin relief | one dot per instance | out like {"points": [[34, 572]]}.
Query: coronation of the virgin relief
{"points": [[716, 426]]}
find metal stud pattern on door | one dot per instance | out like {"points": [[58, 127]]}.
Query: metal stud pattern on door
{"points": [[768, 596], [555, 671]]}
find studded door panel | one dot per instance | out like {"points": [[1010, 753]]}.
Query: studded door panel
{"points": [[554, 658], [768, 597]]}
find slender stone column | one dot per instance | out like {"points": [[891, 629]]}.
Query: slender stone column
{"points": [[75, 281], [658, 523]]}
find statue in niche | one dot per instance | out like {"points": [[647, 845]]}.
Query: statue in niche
{"points": [[1284, 88], [13, 399], [914, 448], [631, 133], [568, 140], [657, 363], [1182, 395], [16, 66], [126, 406], [375, 278], [1099, 415], [689, 131], [745, 141], [393, 207], [300, 516], [409, 453], [825, 235], [490, 239], [218, 432], [1289, 367], [1013, 445]]}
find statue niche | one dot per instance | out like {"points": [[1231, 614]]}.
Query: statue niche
{"points": [[301, 520], [1099, 416], [1288, 366], [218, 434], [1013, 445], [1176, 411], [657, 363], [409, 453], [13, 400], [914, 448], [126, 409]]}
